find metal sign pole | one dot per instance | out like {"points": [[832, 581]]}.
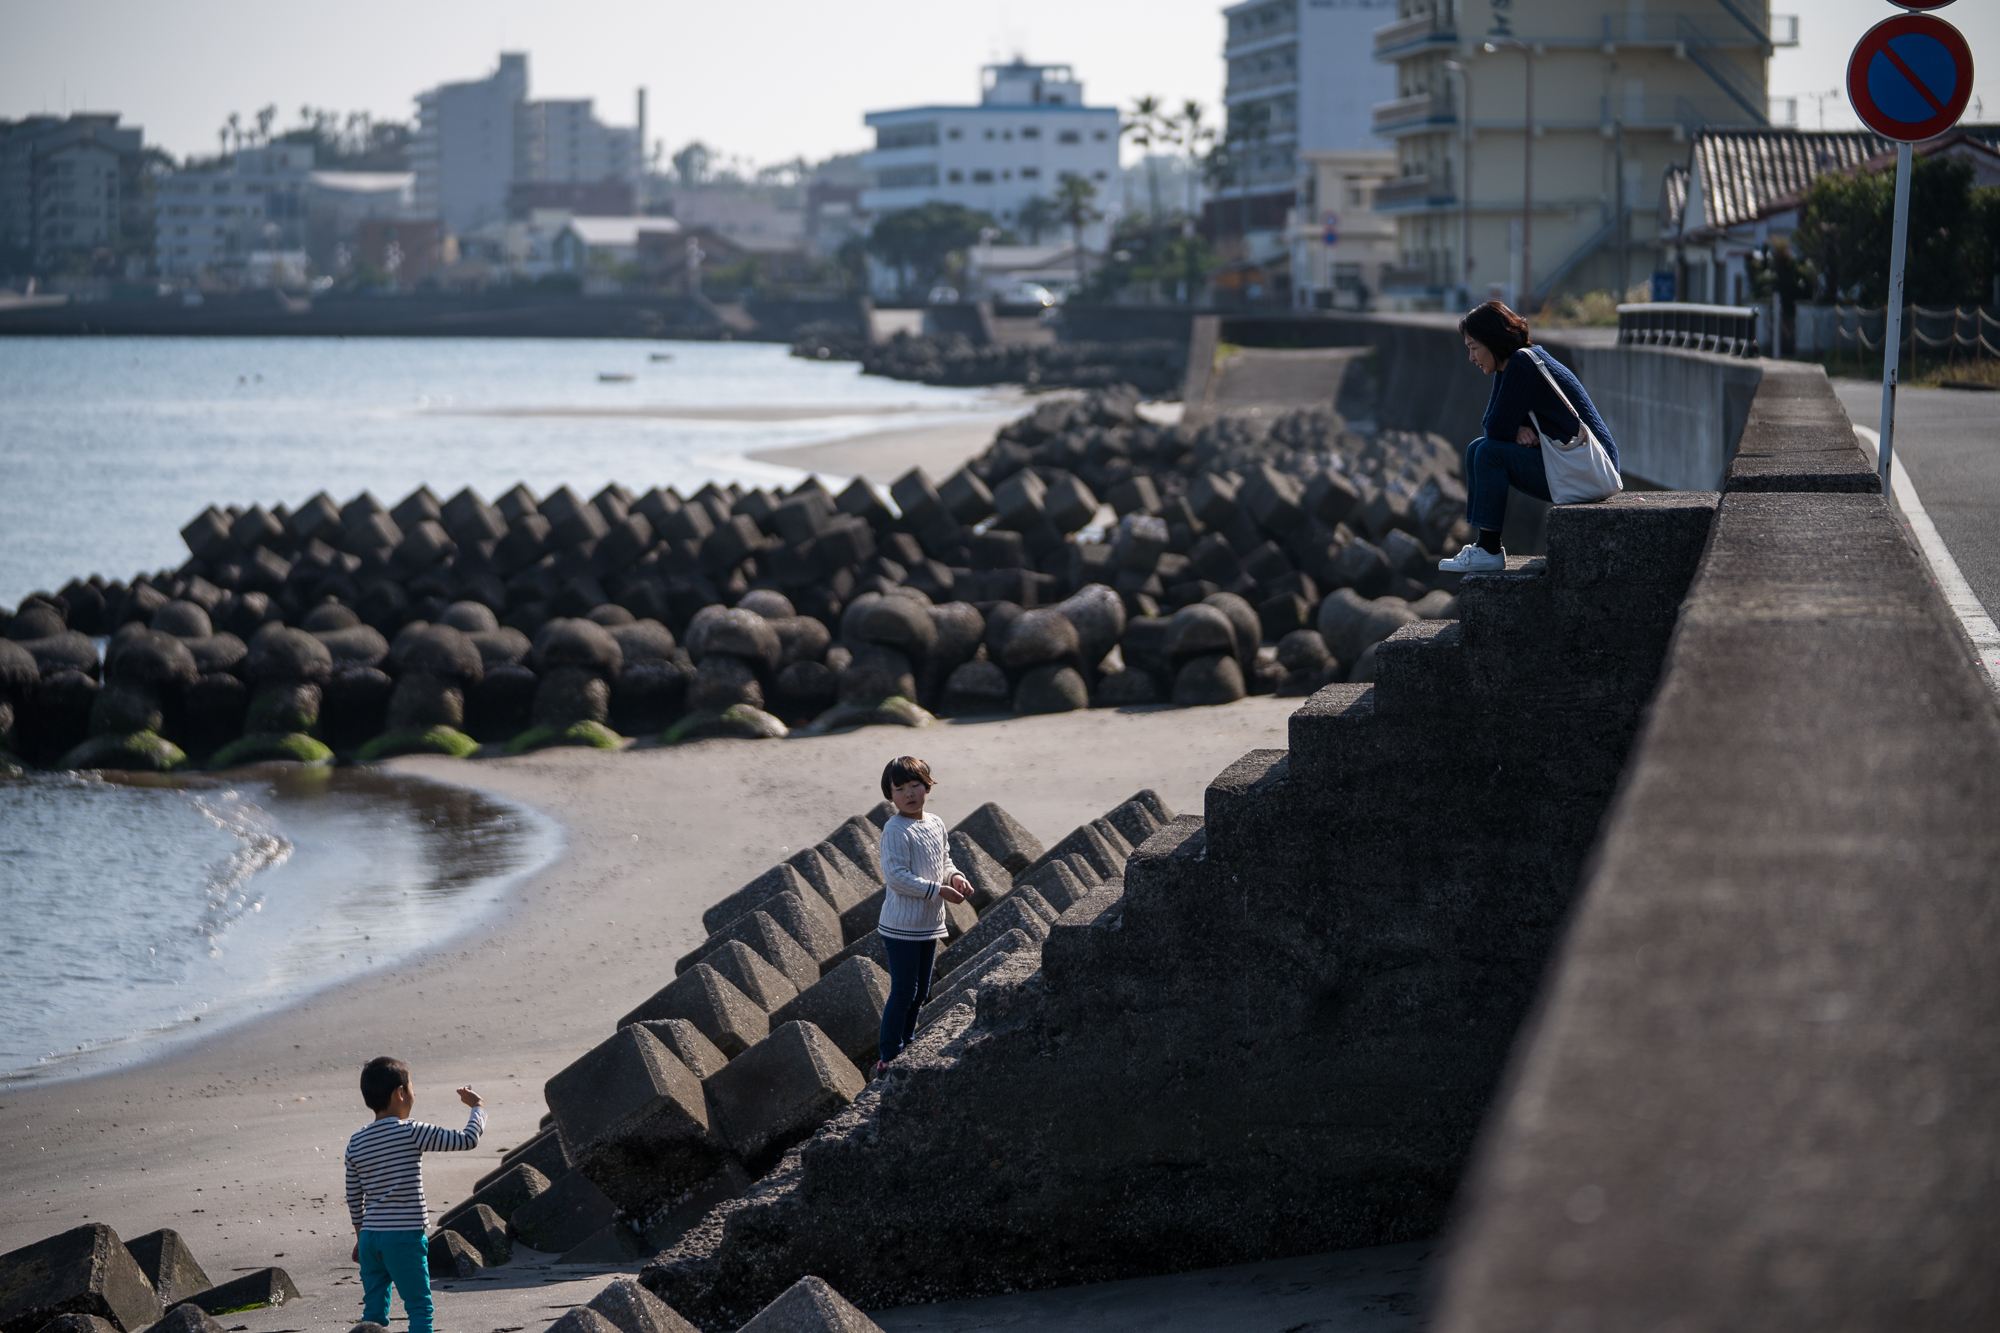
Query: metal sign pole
{"points": [[1892, 334]]}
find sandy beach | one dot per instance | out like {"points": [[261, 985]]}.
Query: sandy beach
{"points": [[235, 1140], [939, 448]]}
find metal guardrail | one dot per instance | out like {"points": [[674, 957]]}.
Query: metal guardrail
{"points": [[1728, 329]]}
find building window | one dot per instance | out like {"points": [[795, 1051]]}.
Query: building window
{"points": [[989, 134], [1069, 136], [956, 177], [1030, 173], [982, 178], [1100, 136], [951, 134], [1006, 175], [1008, 135], [1098, 175], [1031, 132]]}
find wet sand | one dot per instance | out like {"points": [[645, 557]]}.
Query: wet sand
{"points": [[236, 1141], [884, 455]]}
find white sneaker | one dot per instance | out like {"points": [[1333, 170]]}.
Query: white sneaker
{"points": [[1475, 559]]}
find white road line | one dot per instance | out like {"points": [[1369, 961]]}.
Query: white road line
{"points": [[1979, 626]]}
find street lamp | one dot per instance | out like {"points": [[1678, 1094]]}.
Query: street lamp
{"points": [[1526, 295], [1465, 178]]}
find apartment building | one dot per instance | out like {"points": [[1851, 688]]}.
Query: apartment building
{"points": [[1030, 128], [67, 184], [1301, 78], [1531, 136], [213, 220], [477, 141], [1341, 247]]}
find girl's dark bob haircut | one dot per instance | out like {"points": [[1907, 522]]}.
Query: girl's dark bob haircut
{"points": [[1500, 329], [907, 769]]}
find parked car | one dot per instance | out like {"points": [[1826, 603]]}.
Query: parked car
{"points": [[1029, 293], [942, 296]]}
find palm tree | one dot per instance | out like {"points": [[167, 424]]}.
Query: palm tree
{"points": [[1148, 125], [1195, 138], [1036, 216], [1075, 205]]}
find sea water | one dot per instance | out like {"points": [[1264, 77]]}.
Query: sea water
{"points": [[142, 909], [109, 446]]}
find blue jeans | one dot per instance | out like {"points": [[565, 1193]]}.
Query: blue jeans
{"points": [[401, 1257], [1491, 466], [909, 990]]}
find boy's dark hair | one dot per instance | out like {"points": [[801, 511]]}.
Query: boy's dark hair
{"points": [[1493, 324], [380, 1078], [907, 769]]}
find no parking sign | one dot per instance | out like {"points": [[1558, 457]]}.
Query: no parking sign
{"points": [[1908, 79]]}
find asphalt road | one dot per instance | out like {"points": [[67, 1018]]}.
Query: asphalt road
{"points": [[1949, 441]]}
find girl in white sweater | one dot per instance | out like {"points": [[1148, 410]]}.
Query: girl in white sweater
{"points": [[920, 878]]}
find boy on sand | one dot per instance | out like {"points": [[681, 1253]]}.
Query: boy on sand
{"points": [[385, 1190], [920, 878]]}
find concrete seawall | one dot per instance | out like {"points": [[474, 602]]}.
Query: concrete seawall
{"points": [[1759, 1085]]}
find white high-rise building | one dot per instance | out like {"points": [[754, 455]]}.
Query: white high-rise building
{"points": [[564, 141], [1030, 129], [464, 149], [475, 141], [1302, 78]]}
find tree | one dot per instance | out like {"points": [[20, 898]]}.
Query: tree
{"points": [[919, 242], [1037, 216], [1075, 205], [691, 164], [1846, 224], [1147, 126], [1196, 138]]}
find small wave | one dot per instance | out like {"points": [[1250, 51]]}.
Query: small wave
{"points": [[231, 881]]}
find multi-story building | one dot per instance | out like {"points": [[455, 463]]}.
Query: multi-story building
{"points": [[464, 151], [1341, 246], [1531, 135], [1030, 129], [477, 141], [67, 184], [209, 221], [563, 141], [1301, 79]]}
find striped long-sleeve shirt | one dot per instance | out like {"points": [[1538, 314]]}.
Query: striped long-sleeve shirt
{"points": [[385, 1173], [916, 865]]}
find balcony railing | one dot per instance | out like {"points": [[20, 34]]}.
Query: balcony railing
{"points": [[1412, 113], [1407, 36], [1412, 191], [1269, 78]]}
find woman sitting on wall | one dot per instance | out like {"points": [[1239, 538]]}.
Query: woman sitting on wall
{"points": [[1509, 453]]}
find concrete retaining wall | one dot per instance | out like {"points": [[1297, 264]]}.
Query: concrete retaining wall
{"points": [[1760, 1086]]}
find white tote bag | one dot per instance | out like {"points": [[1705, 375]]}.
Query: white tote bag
{"points": [[1580, 471]]}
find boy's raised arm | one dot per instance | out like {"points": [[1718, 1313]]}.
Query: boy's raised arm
{"points": [[436, 1138]]}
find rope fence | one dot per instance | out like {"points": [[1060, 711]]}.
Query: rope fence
{"points": [[1956, 330]]}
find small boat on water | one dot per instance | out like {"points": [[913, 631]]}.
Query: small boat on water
{"points": [[663, 356], [613, 377]]}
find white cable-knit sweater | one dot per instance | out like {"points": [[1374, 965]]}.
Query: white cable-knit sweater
{"points": [[916, 865]]}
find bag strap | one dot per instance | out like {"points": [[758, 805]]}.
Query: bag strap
{"points": [[1581, 425]]}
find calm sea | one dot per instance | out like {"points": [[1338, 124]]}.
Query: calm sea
{"points": [[139, 910], [142, 909], [109, 446]]}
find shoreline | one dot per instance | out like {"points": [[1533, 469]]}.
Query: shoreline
{"points": [[533, 842], [234, 1139]]}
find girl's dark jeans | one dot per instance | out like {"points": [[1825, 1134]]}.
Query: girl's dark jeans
{"points": [[1490, 467], [909, 990]]}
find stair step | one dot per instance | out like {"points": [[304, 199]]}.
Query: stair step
{"points": [[1244, 809], [1642, 539], [1420, 669]]}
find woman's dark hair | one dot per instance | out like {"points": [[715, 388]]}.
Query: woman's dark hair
{"points": [[907, 769], [1500, 329], [380, 1078]]}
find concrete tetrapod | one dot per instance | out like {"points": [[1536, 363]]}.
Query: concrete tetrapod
{"points": [[1004, 839], [635, 1122], [565, 1215], [516, 1186], [633, 1309], [84, 1270], [846, 1004], [705, 998], [253, 1291], [810, 1306], [184, 1318], [169, 1265], [453, 1256], [782, 1089]]}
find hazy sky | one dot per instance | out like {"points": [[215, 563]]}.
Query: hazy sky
{"points": [[765, 81]]}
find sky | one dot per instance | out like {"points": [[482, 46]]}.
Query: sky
{"points": [[765, 82]]}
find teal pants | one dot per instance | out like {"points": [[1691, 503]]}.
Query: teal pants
{"points": [[403, 1258]]}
